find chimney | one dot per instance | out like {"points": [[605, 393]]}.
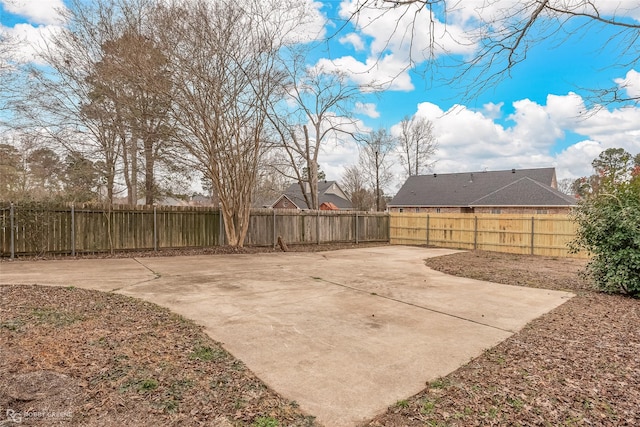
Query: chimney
{"points": [[513, 171]]}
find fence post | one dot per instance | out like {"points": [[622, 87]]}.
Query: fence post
{"points": [[275, 239], [318, 226], [73, 229], [427, 229], [475, 233], [356, 233], [12, 243], [220, 226], [155, 228], [532, 233]]}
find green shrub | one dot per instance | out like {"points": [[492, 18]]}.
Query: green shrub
{"points": [[266, 422], [609, 229]]}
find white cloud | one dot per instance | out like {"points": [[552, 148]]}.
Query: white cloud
{"points": [[334, 158], [413, 33], [354, 40], [533, 128], [42, 19], [567, 110], [405, 31], [30, 40], [631, 83], [47, 12], [368, 109], [493, 111], [299, 21], [338, 150], [618, 8], [375, 74], [575, 160], [472, 141]]}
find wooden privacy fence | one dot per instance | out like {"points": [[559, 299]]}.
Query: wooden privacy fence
{"points": [[38, 229], [305, 227], [520, 234], [43, 229], [47, 229]]}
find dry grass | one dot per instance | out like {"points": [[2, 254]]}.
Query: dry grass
{"points": [[576, 366], [78, 357]]}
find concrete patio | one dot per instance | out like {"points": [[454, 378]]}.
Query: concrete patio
{"points": [[344, 333]]}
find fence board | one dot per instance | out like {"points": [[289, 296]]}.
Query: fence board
{"points": [[102, 228], [521, 234], [98, 228]]}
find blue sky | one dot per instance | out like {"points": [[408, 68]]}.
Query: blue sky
{"points": [[537, 117]]}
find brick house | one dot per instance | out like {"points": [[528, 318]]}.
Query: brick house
{"points": [[329, 193], [515, 191]]}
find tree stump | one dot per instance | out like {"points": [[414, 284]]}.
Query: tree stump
{"points": [[282, 244]]}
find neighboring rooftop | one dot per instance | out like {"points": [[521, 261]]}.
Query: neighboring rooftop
{"points": [[328, 192], [514, 187]]}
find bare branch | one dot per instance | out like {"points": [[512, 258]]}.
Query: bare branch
{"points": [[504, 34], [317, 107]]}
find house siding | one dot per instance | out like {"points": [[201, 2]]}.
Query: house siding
{"points": [[327, 192], [284, 203], [533, 210], [425, 209]]}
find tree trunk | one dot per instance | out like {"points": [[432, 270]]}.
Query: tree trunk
{"points": [[377, 182], [416, 159], [312, 166], [110, 184], [149, 163], [133, 195], [236, 224], [125, 167], [313, 184]]}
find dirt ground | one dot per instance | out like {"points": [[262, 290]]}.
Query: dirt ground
{"points": [[215, 250], [77, 357], [575, 366]]}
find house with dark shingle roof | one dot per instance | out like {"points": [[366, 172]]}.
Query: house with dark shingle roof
{"points": [[329, 193], [509, 191]]}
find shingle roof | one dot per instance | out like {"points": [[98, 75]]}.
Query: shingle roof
{"points": [[336, 200], [295, 195], [525, 192], [470, 188]]}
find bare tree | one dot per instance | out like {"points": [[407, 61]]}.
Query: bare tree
{"points": [[497, 35], [106, 131], [80, 178], [104, 94], [374, 160], [322, 102], [62, 100], [10, 72], [270, 184], [417, 145], [566, 186], [12, 172], [131, 82], [224, 73], [354, 184]]}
